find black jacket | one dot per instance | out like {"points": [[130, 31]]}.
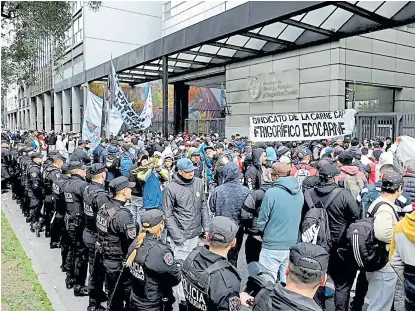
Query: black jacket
{"points": [[80, 156], [253, 174], [280, 299], [154, 272], [342, 211], [409, 185], [224, 286]]}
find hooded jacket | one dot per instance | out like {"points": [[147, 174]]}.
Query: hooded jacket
{"points": [[185, 211], [271, 155], [349, 170], [402, 254], [342, 211], [228, 198], [253, 174], [279, 298], [280, 214], [151, 180], [409, 186]]}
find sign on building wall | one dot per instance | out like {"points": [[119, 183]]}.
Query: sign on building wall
{"points": [[302, 126], [274, 86]]}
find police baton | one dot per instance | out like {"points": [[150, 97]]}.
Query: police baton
{"points": [[115, 288]]}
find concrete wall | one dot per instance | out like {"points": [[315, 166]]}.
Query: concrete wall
{"points": [[119, 27], [186, 13], [385, 58]]}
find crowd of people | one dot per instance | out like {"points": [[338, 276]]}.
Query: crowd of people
{"points": [[161, 220]]}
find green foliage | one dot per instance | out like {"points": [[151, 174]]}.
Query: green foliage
{"points": [[24, 25]]}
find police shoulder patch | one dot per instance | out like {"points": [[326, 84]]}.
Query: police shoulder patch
{"points": [[234, 303], [33, 174], [168, 258], [131, 231]]}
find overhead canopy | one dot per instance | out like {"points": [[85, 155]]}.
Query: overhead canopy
{"points": [[255, 29]]}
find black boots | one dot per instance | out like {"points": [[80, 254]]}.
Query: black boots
{"points": [[54, 245], [79, 290], [69, 283]]}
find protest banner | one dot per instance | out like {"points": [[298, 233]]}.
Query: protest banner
{"points": [[301, 126], [128, 114], [91, 129]]}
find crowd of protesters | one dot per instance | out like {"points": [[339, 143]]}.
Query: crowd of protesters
{"points": [[160, 220]]}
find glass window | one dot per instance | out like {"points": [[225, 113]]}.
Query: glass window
{"points": [[167, 10], [367, 98]]}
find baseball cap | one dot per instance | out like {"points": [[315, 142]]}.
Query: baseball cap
{"points": [[120, 183], [36, 155], [152, 218], [329, 150], [392, 179], [76, 165], [303, 152], [328, 170], [281, 169], [223, 229], [58, 157], [97, 168], [346, 158], [309, 256], [185, 164], [385, 158], [65, 168]]}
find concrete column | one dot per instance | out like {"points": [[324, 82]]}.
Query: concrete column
{"points": [[7, 121], [66, 110], [27, 120], [57, 104], [76, 109], [39, 105], [48, 111], [33, 113]]}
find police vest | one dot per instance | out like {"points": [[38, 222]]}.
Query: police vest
{"points": [[110, 240], [47, 181], [58, 193], [74, 204], [196, 283], [90, 210], [137, 267]]}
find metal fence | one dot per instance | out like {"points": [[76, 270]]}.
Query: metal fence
{"points": [[206, 126], [371, 125]]}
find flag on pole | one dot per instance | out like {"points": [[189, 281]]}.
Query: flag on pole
{"points": [[104, 117]]}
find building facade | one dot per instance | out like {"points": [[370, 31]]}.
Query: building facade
{"points": [[272, 57], [92, 39]]}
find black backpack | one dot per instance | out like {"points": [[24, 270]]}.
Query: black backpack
{"points": [[363, 248], [315, 228]]}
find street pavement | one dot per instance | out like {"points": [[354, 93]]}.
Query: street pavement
{"points": [[46, 264]]}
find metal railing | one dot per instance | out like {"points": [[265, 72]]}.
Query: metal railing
{"points": [[205, 126], [394, 124]]}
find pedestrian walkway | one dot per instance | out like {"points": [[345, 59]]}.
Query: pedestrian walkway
{"points": [[45, 261]]}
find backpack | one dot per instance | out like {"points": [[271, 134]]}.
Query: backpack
{"points": [[125, 164], [110, 160], [301, 174], [353, 183], [363, 248], [315, 228]]}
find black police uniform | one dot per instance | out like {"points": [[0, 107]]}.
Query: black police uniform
{"points": [[50, 175], [116, 230], [26, 160], [35, 196], [77, 261], [210, 282], [5, 166], [95, 197], [14, 171], [58, 229], [154, 272]]}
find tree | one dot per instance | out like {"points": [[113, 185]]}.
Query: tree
{"points": [[24, 26]]}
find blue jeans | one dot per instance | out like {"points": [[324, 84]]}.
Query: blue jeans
{"points": [[381, 289], [276, 262]]}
